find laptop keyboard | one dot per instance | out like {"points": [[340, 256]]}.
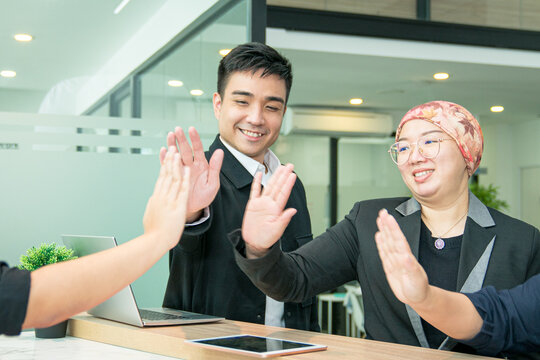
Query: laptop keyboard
{"points": [[156, 315]]}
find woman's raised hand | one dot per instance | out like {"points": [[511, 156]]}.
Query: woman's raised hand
{"points": [[405, 275], [166, 209]]}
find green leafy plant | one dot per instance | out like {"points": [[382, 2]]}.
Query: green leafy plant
{"points": [[45, 254], [488, 196]]}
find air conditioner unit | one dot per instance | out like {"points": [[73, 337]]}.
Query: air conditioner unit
{"points": [[336, 122]]}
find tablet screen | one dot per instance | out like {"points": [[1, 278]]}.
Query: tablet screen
{"points": [[258, 345]]}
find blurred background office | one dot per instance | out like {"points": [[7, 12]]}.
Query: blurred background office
{"points": [[89, 89]]}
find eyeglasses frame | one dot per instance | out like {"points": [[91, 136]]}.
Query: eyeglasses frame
{"points": [[440, 140]]}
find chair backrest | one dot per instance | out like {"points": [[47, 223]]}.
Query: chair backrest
{"points": [[355, 306]]}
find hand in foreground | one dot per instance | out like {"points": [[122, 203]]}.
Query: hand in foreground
{"points": [[405, 275], [204, 183], [166, 209], [452, 313], [264, 218]]}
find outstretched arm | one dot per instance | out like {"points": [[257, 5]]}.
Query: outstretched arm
{"points": [[62, 290], [293, 276], [452, 313]]}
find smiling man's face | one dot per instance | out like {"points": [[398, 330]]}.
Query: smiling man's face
{"points": [[251, 111]]}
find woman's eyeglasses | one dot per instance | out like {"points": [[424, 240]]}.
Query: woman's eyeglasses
{"points": [[428, 147]]}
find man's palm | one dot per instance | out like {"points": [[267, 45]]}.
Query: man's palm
{"points": [[204, 183], [203, 187]]}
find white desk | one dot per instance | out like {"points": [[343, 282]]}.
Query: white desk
{"points": [[26, 347]]}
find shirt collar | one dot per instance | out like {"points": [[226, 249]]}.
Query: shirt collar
{"points": [[477, 210], [253, 166]]}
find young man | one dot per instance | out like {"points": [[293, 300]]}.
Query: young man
{"points": [[490, 321], [254, 82], [55, 292]]}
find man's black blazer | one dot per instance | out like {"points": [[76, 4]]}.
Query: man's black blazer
{"points": [[203, 275]]}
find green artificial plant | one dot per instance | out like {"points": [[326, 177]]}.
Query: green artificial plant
{"points": [[45, 254], [488, 196]]}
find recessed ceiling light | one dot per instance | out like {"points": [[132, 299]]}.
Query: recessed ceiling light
{"points": [[8, 73], [356, 101], [441, 76], [224, 52], [497, 108], [175, 83], [23, 37], [196, 92]]}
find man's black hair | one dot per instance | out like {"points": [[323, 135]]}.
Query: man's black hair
{"points": [[254, 57]]}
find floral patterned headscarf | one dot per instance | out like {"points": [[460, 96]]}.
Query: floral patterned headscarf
{"points": [[457, 122]]}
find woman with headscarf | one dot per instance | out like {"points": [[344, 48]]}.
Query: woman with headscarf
{"points": [[462, 244]]}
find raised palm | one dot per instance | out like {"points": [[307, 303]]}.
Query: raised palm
{"points": [[166, 209], [204, 175], [265, 219], [405, 275]]}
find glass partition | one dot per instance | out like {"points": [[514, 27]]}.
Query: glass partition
{"points": [[74, 175], [93, 174], [310, 155], [121, 101], [101, 110], [180, 86], [365, 171]]}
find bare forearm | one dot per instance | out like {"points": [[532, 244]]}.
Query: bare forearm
{"points": [[62, 290], [452, 313]]}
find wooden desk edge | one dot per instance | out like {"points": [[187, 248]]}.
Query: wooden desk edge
{"points": [[169, 341]]}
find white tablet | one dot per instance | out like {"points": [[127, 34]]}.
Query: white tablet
{"points": [[257, 345]]}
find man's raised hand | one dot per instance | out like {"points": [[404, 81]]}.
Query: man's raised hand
{"points": [[204, 175]]}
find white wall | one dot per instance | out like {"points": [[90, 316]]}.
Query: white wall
{"points": [[19, 100], [509, 148], [310, 156], [366, 172]]}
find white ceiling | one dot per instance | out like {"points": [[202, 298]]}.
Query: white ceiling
{"points": [[72, 38], [395, 85]]}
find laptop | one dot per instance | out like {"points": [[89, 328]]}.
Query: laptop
{"points": [[122, 307]]}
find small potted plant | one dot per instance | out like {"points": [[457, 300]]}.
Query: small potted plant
{"points": [[43, 255]]}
